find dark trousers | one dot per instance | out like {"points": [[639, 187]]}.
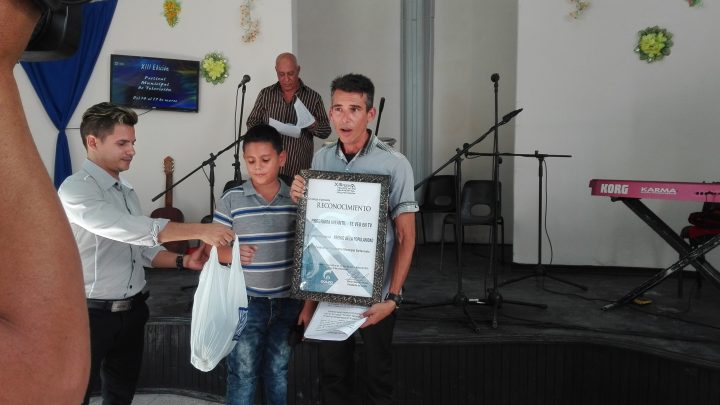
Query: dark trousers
{"points": [[116, 345], [337, 365]]}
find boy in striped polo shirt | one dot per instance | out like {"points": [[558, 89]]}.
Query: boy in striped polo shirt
{"points": [[263, 216]]}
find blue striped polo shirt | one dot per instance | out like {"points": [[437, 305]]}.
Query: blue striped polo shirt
{"points": [[268, 225]]}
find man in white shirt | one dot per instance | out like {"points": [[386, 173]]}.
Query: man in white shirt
{"points": [[116, 241]]}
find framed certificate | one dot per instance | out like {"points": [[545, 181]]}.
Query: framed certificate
{"points": [[340, 238]]}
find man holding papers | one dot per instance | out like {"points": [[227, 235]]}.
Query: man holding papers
{"points": [[356, 151], [295, 110]]}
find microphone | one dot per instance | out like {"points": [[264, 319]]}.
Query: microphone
{"points": [[507, 117], [245, 80], [495, 77], [380, 110]]}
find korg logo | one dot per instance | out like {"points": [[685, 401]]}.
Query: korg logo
{"points": [[614, 188]]}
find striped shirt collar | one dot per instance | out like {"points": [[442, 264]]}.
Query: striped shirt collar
{"points": [[301, 89], [103, 178], [249, 189]]}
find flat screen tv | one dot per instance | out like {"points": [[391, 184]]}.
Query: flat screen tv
{"points": [[144, 82]]}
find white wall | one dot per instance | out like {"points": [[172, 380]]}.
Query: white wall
{"points": [[473, 40], [138, 28], [586, 93], [339, 37]]}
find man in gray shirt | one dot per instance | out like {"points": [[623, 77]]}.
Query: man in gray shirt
{"points": [[356, 151], [116, 241]]}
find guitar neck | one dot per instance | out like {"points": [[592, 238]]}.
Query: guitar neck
{"points": [[169, 194]]}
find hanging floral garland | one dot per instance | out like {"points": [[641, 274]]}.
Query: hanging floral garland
{"points": [[171, 11], [250, 25], [693, 3], [580, 7], [214, 68], [654, 43]]}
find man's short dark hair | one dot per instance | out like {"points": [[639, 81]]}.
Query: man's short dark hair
{"points": [[100, 119], [264, 133], [355, 83]]}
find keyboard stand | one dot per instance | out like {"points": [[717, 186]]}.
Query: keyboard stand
{"points": [[689, 256]]}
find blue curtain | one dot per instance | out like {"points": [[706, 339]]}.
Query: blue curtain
{"points": [[60, 84]]}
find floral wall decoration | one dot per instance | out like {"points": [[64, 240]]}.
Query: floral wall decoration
{"points": [[171, 11], [214, 68], [693, 3], [250, 25], [580, 7], [653, 44]]}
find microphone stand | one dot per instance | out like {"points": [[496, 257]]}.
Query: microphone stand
{"points": [[493, 297], [209, 162], [237, 178], [211, 178], [540, 269], [466, 146]]}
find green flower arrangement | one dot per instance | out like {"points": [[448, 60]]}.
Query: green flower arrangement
{"points": [[214, 68], [694, 3], [653, 44]]}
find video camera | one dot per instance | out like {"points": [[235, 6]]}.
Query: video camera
{"points": [[57, 33]]}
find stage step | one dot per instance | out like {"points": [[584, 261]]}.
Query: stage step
{"points": [[503, 372]]}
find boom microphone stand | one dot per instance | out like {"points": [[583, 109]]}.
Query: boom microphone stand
{"points": [[209, 162], [493, 296], [211, 180]]}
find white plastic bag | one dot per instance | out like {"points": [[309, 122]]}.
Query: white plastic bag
{"points": [[219, 304]]}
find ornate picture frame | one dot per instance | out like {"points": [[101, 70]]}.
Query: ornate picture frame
{"points": [[340, 238]]}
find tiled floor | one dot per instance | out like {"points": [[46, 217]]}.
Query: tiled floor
{"points": [[160, 399]]}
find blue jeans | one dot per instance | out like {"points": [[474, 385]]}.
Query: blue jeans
{"points": [[262, 352]]}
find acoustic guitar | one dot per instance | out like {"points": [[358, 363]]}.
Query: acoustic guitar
{"points": [[168, 211]]}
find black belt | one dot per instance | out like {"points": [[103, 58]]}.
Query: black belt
{"points": [[117, 305]]}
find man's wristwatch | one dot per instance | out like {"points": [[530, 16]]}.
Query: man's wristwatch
{"points": [[397, 298], [179, 262]]}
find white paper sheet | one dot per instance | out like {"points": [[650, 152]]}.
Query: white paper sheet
{"points": [[304, 120], [285, 129], [333, 321], [304, 117]]}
